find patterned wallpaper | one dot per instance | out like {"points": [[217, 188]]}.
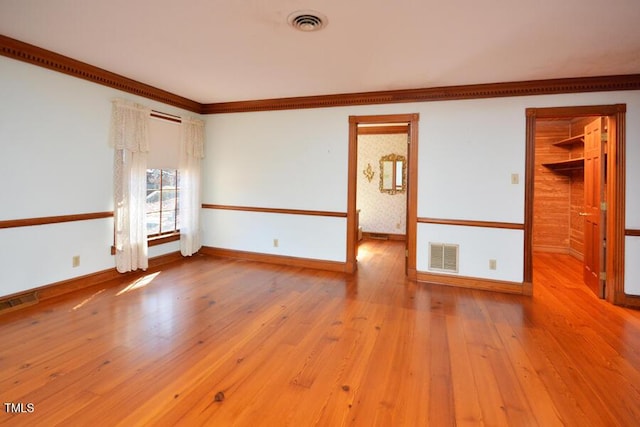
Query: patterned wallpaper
{"points": [[380, 212]]}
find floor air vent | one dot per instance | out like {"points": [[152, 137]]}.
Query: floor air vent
{"points": [[443, 257], [16, 302], [379, 236]]}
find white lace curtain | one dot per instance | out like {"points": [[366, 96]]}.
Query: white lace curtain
{"points": [[129, 138], [191, 154]]}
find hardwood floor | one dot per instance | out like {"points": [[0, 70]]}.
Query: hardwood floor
{"points": [[223, 342]]}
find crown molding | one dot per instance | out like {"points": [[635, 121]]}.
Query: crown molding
{"points": [[445, 93], [35, 55]]}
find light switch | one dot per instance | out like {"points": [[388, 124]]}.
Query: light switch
{"points": [[515, 178]]}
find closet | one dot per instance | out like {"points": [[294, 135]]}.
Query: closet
{"points": [[569, 196]]}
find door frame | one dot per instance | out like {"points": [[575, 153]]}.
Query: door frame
{"points": [[615, 193], [412, 186]]}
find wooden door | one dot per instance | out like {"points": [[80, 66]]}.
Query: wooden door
{"points": [[593, 183]]}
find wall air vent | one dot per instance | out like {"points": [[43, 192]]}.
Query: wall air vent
{"points": [[307, 20], [443, 257]]}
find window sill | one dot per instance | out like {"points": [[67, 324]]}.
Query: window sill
{"points": [[165, 238], [157, 240]]}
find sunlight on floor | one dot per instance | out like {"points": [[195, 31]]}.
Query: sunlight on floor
{"points": [[86, 301], [363, 253], [139, 283]]}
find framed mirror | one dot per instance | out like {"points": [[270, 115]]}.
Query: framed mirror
{"points": [[393, 174]]}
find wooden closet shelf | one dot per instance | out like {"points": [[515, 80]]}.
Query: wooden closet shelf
{"points": [[563, 165], [578, 139]]}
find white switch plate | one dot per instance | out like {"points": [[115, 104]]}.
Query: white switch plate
{"points": [[515, 178]]}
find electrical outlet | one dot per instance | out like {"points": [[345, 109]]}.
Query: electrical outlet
{"points": [[275, 243], [515, 178], [75, 261], [492, 264]]}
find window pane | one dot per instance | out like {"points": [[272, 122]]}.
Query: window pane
{"points": [[153, 179], [169, 178], [153, 201], [153, 190], [162, 201], [168, 199], [153, 223], [168, 221], [168, 211]]}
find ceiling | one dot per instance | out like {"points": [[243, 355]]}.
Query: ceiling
{"points": [[234, 50]]}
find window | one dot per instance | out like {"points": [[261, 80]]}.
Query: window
{"points": [[162, 211]]}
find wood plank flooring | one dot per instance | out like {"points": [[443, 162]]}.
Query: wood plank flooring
{"points": [[234, 343]]}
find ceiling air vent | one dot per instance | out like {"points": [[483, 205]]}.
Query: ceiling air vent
{"points": [[307, 20], [443, 257]]}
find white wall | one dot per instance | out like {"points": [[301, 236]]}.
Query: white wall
{"points": [[55, 160], [468, 150], [286, 160], [302, 236], [632, 266], [477, 245], [279, 159]]}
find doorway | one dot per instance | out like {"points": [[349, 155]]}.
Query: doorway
{"points": [[569, 192], [396, 180], [592, 173], [381, 192]]}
